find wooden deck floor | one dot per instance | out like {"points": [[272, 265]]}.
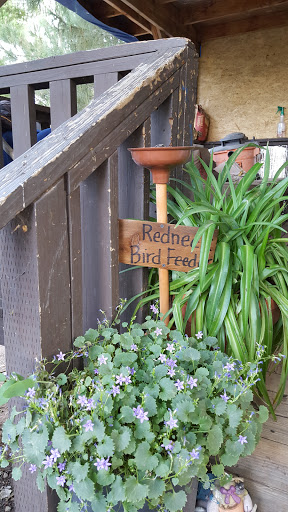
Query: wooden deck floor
{"points": [[266, 471]]}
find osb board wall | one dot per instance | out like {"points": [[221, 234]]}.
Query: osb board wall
{"points": [[242, 80]]}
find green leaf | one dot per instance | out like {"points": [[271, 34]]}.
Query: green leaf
{"points": [[19, 388], [156, 487], [150, 405], [143, 458], [16, 474], [214, 440], [84, 489], [40, 480], [98, 429], [104, 478], [60, 440], [4, 463], [163, 469], [8, 432], [189, 354], [229, 459], [63, 506], [99, 503], [127, 414], [175, 500], [168, 390], [3, 377], [218, 470], [117, 492], [106, 448], [134, 491], [121, 438], [78, 471], [234, 414], [79, 342], [184, 408], [263, 414], [220, 406], [61, 379]]}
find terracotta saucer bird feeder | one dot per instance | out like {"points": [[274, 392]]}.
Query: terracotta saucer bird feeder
{"points": [[160, 160]]}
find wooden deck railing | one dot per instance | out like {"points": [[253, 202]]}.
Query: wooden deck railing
{"points": [[61, 198]]}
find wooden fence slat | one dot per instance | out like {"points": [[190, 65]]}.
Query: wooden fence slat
{"points": [[63, 101], [99, 212], [134, 190], [74, 220], [23, 118], [104, 81], [161, 122], [1, 151]]}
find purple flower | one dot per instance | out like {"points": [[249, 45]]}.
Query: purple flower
{"points": [[179, 385], [229, 367], [224, 396], [82, 400], [192, 383], [199, 335], [128, 380], [31, 393], [171, 372], [171, 423], [171, 363], [120, 379], [139, 413], [169, 447], [48, 463], [194, 454], [130, 370], [170, 347], [61, 356], [102, 464], [71, 488], [55, 454], [115, 390], [158, 331], [242, 439], [134, 347], [32, 468], [96, 371], [90, 404], [154, 309], [61, 466], [102, 359], [88, 426], [61, 480], [162, 358]]}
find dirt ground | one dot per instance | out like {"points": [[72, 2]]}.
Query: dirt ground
{"points": [[6, 484]]}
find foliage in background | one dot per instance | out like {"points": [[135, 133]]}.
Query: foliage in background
{"points": [[231, 298], [144, 416], [33, 29]]}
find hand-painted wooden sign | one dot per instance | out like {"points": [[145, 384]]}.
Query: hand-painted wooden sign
{"points": [[152, 244]]}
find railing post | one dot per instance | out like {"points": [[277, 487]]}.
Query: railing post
{"points": [[36, 296], [63, 101], [23, 114]]}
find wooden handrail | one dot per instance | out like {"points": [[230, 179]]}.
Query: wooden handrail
{"points": [[83, 142]]}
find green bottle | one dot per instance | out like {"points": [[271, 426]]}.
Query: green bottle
{"points": [[281, 127]]}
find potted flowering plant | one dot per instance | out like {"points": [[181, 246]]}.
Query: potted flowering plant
{"points": [[140, 419]]}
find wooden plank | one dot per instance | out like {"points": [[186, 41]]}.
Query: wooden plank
{"points": [[161, 124], [99, 209], [266, 498], [99, 55], [218, 10], [153, 244], [104, 82], [130, 13], [133, 180], [63, 101], [207, 32], [1, 152], [168, 20], [50, 159], [75, 253], [23, 118]]}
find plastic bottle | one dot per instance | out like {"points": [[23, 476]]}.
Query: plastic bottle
{"points": [[281, 127]]}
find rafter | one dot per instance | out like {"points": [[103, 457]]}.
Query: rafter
{"points": [[251, 24], [218, 10], [166, 19], [120, 6]]}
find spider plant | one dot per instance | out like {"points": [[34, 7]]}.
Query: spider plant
{"points": [[232, 297]]}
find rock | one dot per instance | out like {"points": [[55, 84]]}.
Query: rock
{"points": [[5, 493], [7, 508]]}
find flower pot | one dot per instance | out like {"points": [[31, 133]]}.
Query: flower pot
{"points": [[236, 508]]}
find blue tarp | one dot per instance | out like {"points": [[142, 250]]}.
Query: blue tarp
{"points": [[74, 6]]}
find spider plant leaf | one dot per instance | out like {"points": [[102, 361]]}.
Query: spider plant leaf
{"points": [[247, 255], [222, 307], [234, 336], [254, 332], [218, 281], [199, 315], [267, 327], [284, 372], [204, 254]]}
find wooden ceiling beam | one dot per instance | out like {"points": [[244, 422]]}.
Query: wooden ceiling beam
{"points": [[132, 15], [218, 10], [166, 19], [251, 24]]}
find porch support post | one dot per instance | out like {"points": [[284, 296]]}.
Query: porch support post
{"points": [[35, 283]]}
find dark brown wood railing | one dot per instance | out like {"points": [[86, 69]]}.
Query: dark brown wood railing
{"points": [[61, 198]]}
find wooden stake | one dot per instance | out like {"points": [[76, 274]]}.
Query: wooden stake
{"points": [[161, 206]]}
